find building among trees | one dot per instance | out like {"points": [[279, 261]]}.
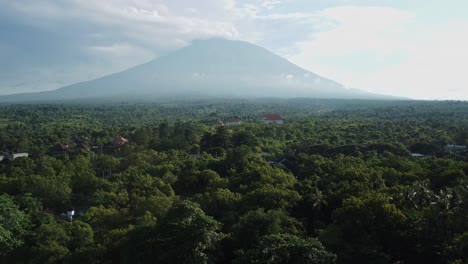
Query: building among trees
{"points": [[233, 122], [219, 123], [272, 119], [120, 141]]}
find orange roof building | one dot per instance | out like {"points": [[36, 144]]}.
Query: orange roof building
{"points": [[120, 141]]}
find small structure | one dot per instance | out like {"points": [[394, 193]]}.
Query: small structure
{"points": [[120, 141], [83, 146], [219, 123], [233, 122], [13, 156], [272, 119], [455, 147], [417, 155], [276, 163], [59, 148], [70, 214]]}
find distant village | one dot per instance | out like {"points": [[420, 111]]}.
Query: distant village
{"points": [[79, 146], [266, 119], [65, 148], [119, 141]]}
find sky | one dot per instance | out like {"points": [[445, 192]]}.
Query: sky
{"points": [[410, 48]]}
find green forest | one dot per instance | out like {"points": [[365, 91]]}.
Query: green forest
{"points": [[341, 181]]}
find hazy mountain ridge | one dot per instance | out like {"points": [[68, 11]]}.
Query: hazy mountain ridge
{"points": [[207, 68]]}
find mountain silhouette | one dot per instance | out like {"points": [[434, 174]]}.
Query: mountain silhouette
{"points": [[207, 69]]}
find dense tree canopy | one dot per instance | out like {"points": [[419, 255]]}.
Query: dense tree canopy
{"points": [[341, 181]]}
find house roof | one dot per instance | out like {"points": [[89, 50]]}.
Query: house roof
{"points": [[272, 117], [120, 140], [233, 120], [61, 147], [219, 123], [84, 146]]}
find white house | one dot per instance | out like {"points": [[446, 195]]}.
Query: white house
{"points": [[233, 122], [456, 147], [13, 156], [272, 119]]}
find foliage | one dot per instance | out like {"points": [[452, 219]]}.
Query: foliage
{"points": [[287, 248], [14, 225], [335, 183]]}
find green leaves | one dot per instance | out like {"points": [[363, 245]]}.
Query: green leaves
{"points": [[57, 242], [287, 249], [185, 235], [256, 224], [339, 170], [366, 228], [15, 225]]}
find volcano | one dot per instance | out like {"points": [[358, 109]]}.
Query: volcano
{"points": [[214, 68]]}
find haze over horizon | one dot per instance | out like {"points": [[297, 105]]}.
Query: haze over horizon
{"points": [[415, 49]]}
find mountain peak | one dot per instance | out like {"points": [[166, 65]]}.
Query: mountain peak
{"points": [[210, 68], [216, 40], [220, 41]]}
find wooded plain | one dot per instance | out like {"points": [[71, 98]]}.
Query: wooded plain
{"points": [[336, 183]]}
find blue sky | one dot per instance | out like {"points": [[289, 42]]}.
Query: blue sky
{"points": [[405, 48]]}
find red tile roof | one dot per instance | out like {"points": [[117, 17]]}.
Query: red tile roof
{"points": [[120, 140], [272, 117]]}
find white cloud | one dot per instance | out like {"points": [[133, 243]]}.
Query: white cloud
{"points": [[347, 30], [119, 56], [146, 20], [108, 36], [435, 68], [117, 50], [270, 4], [379, 49], [385, 50]]}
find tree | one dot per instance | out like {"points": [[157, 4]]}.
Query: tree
{"points": [[29, 204], [366, 229], [104, 165], [51, 243], [271, 197], [61, 241], [256, 224], [104, 219], [199, 182], [52, 191], [141, 136], [185, 235], [243, 138], [287, 248], [220, 203], [14, 225], [83, 178], [163, 130]]}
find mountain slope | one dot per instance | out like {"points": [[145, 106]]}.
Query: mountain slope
{"points": [[207, 68]]}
